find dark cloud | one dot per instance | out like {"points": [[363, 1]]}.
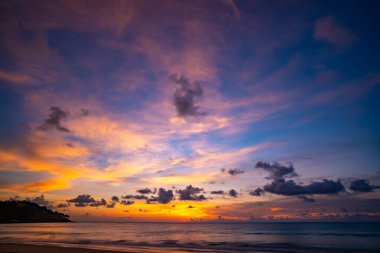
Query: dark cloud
{"points": [[111, 205], [233, 193], [101, 202], [115, 199], [306, 199], [186, 95], [134, 197], [361, 185], [85, 199], [84, 112], [233, 172], [191, 193], [54, 120], [152, 199], [277, 170], [165, 196], [257, 192], [283, 187], [127, 202], [220, 192], [62, 205], [70, 145], [144, 191]]}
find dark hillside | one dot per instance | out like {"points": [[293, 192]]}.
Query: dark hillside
{"points": [[26, 211]]}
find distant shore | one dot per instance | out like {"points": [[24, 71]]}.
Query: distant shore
{"points": [[33, 248]]}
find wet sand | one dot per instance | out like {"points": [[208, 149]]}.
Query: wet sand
{"points": [[33, 248]]}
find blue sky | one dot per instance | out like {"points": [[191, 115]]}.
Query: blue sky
{"points": [[106, 98]]}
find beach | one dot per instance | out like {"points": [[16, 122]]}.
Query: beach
{"points": [[33, 248]]}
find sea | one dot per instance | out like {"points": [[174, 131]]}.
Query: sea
{"points": [[200, 237]]}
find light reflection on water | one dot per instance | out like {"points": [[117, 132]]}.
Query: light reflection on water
{"points": [[199, 235]]}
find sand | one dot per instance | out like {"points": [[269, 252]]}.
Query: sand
{"points": [[33, 248]]}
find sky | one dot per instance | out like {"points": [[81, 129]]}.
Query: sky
{"points": [[202, 110]]}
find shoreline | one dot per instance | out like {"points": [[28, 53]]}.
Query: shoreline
{"points": [[50, 248], [14, 247]]}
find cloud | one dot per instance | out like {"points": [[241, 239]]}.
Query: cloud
{"points": [[115, 199], [111, 205], [80, 204], [234, 7], [101, 202], [54, 120], [16, 78], [191, 193], [144, 191], [219, 192], [85, 199], [62, 205], [361, 185], [329, 30], [134, 197], [165, 196], [40, 200], [288, 208], [257, 192], [233, 193], [306, 199], [185, 96], [288, 188], [127, 202], [233, 172], [84, 112], [277, 170], [76, 15]]}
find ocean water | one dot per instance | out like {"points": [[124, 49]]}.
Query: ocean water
{"points": [[212, 236]]}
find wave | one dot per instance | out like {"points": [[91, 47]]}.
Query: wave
{"points": [[197, 236]]}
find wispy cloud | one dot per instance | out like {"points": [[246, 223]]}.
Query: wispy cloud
{"points": [[328, 29]]}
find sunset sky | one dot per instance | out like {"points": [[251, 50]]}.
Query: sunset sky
{"points": [[192, 110]]}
